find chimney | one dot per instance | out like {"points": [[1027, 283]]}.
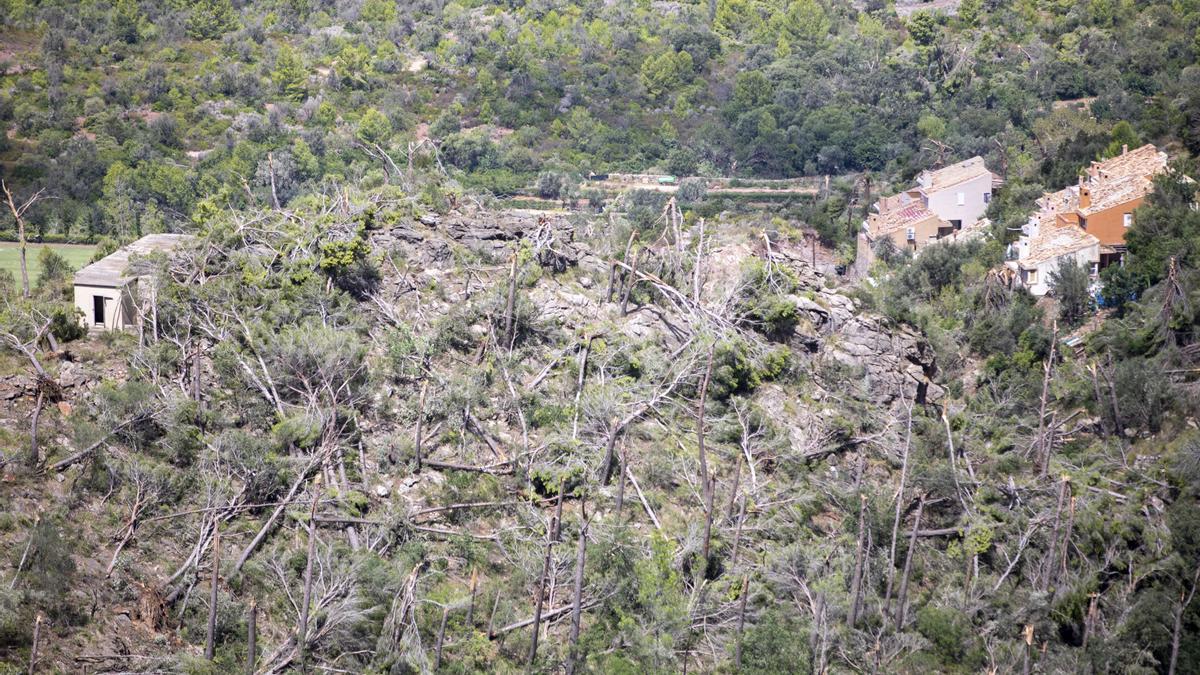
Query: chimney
{"points": [[1085, 197], [1124, 148]]}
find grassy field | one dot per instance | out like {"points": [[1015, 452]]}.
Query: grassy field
{"points": [[10, 257]]}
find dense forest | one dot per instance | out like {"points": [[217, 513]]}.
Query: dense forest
{"points": [[418, 395]]}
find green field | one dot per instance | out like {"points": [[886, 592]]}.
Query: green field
{"points": [[10, 257]]}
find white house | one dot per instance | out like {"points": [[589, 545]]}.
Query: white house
{"points": [[107, 290], [1047, 243], [958, 194]]}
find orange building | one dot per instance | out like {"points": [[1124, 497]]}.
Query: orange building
{"points": [[1103, 202]]}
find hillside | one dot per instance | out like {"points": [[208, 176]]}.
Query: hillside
{"points": [[540, 337]]}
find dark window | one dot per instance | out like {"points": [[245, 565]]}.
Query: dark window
{"points": [[98, 309]]}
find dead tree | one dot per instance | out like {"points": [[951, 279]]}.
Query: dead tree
{"points": [[1051, 565], [18, 213], [211, 638], [1043, 448], [741, 622], [541, 595], [856, 590], [441, 637], [302, 630], [252, 638], [902, 610], [1176, 633], [704, 478], [887, 596], [573, 659], [420, 420], [510, 303], [33, 648]]}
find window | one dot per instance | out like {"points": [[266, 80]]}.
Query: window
{"points": [[910, 234], [1128, 219], [98, 310], [1095, 268], [962, 198], [1031, 276], [987, 198]]}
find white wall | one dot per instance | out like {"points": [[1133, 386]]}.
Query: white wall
{"points": [[945, 203], [1041, 287], [118, 307]]}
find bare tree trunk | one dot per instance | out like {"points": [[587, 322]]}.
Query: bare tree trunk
{"points": [[1179, 610], [620, 503], [741, 624], [510, 303], [704, 481], [210, 641], [737, 535], [708, 519], [887, 596], [698, 270], [577, 599], [632, 279], [902, 611], [737, 479], [492, 616], [557, 532], [271, 170], [1051, 564], [420, 423], [35, 457], [1042, 453], [302, 632], [541, 597], [33, 649], [860, 553], [437, 663], [1066, 540], [1027, 665], [474, 592], [252, 638], [18, 213]]}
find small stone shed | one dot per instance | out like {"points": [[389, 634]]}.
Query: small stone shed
{"points": [[107, 290]]}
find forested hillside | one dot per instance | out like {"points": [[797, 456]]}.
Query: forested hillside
{"points": [[421, 394]]}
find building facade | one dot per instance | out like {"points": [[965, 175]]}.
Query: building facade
{"points": [[107, 291]]}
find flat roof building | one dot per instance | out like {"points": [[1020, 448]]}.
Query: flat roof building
{"points": [[106, 291]]}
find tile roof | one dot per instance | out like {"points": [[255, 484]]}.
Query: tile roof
{"points": [[900, 216], [954, 174], [1109, 193], [1144, 161], [1055, 241], [110, 271]]}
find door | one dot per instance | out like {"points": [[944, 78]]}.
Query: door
{"points": [[98, 310]]}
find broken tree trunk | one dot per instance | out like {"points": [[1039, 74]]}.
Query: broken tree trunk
{"points": [[252, 638], [262, 533], [860, 553], [441, 637], [902, 611], [577, 597], [541, 596], [1184, 601], [302, 630], [35, 457], [700, 424], [210, 640], [1051, 565], [708, 519], [741, 624], [887, 596], [1043, 455], [33, 648], [510, 303], [420, 420], [18, 213]]}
